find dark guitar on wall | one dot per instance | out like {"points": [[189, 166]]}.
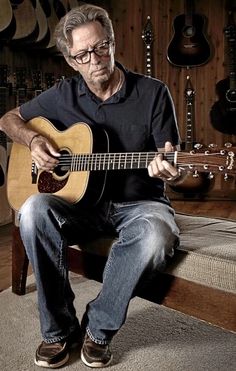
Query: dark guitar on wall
{"points": [[147, 36], [189, 46], [80, 162], [223, 111], [193, 182]]}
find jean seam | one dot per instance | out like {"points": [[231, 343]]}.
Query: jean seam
{"points": [[97, 341]]}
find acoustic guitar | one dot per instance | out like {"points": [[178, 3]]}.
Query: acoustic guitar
{"points": [[5, 14], [73, 178], [3, 137], [5, 210], [7, 21], [223, 111], [41, 20], [189, 46], [194, 183], [27, 29]]}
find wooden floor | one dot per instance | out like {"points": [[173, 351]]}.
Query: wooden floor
{"points": [[224, 209]]}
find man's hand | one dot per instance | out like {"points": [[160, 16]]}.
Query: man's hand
{"points": [[43, 153], [160, 168]]}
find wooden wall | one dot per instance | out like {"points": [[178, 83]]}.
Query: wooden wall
{"points": [[129, 19]]}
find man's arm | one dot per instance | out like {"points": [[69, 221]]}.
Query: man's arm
{"points": [[42, 152], [15, 128]]}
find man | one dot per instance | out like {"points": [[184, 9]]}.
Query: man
{"points": [[137, 113]]}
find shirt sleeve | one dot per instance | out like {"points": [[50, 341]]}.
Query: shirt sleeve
{"points": [[164, 122], [44, 105]]}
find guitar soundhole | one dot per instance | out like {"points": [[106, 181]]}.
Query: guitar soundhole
{"points": [[62, 170], [188, 31], [231, 95], [54, 182]]}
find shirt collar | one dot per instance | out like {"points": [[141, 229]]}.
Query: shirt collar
{"points": [[127, 89]]}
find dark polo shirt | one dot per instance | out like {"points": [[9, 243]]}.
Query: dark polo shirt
{"points": [[140, 117]]}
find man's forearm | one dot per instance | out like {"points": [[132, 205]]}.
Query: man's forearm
{"points": [[15, 128]]}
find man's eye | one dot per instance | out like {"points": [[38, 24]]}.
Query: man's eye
{"points": [[103, 46], [81, 55]]}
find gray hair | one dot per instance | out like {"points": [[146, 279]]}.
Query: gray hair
{"points": [[76, 17]]}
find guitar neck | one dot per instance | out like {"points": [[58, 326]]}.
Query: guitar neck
{"points": [[147, 36], [189, 138], [232, 64], [189, 96], [189, 9], [107, 161], [148, 61], [220, 161]]}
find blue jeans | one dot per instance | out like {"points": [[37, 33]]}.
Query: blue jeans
{"points": [[146, 234]]}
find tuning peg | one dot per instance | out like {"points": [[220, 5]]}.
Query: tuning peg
{"points": [[195, 174], [212, 145], [226, 177], [228, 145], [211, 175], [198, 145]]}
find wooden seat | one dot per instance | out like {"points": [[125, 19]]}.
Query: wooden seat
{"points": [[211, 298]]}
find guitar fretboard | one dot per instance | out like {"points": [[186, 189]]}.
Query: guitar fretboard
{"points": [[108, 161]]}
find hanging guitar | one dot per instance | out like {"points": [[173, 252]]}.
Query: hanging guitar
{"points": [[223, 111], [5, 210], [193, 182], [7, 21], [189, 46], [147, 36], [80, 163]]}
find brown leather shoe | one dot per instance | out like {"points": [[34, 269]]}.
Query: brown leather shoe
{"points": [[95, 355], [53, 355]]}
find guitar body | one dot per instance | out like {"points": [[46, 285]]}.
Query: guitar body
{"points": [[7, 21], [27, 28], [41, 20], [5, 14], [5, 210], [72, 186], [223, 112], [189, 46]]}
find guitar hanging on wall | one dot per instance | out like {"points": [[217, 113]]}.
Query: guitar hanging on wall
{"points": [[147, 36], [194, 183], [5, 210], [189, 46], [223, 111]]}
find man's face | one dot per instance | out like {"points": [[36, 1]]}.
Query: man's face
{"points": [[98, 70]]}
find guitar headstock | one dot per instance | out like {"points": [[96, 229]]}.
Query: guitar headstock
{"points": [[147, 34], [209, 160], [189, 92]]}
